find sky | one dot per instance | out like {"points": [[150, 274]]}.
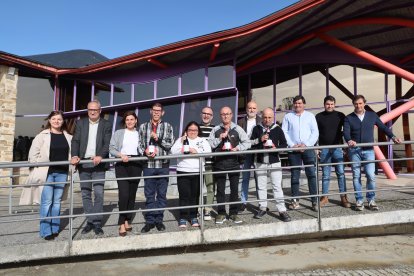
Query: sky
{"points": [[117, 28]]}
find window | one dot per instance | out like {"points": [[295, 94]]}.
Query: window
{"points": [[122, 93], [102, 93], [167, 87], [192, 82], [220, 77], [143, 91], [218, 102], [262, 89], [192, 111]]}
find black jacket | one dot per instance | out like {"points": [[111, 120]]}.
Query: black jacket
{"points": [[277, 136]]}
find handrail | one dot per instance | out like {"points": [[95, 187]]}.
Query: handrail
{"points": [[201, 204]]}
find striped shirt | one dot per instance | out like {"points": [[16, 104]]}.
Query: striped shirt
{"points": [[205, 133], [163, 145]]}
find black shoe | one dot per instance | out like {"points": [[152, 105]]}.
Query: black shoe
{"points": [[98, 231], [147, 227], [55, 235], [243, 207], [160, 226], [284, 216], [260, 214], [88, 228], [314, 206], [49, 238]]}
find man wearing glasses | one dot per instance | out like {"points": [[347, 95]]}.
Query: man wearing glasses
{"points": [[206, 128], [227, 137], [155, 139], [91, 142]]}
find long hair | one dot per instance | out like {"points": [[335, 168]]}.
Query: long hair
{"points": [[54, 113]]}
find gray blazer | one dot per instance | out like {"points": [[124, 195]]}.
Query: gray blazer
{"points": [[103, 137], [116, 143]]}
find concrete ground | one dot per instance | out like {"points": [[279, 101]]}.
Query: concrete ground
{"points": [[381, 255], [20, 240]]}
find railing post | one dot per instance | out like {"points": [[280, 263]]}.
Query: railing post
{"points": [[11, 191], [71, 212], [200, 160], [317, 192]]}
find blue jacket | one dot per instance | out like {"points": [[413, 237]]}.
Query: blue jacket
{"points": [[363, 131]]}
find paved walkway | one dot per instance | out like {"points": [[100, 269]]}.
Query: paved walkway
{"points": [[17, 234], [383, 255]]}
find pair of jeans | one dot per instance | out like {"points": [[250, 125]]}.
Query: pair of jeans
{"points": [[220, 180], [127, 189], [358, 154], [210, 187], [189, 194], [332, 156], [308, 158], [50, 204], [155, 190], [248, 162], [276, 180], [96, 177]]}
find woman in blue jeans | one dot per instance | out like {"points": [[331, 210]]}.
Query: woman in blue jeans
{"points": [[51, 144]]}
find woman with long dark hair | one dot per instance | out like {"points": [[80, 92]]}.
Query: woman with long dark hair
{"points": [[51, 144], [124, 144], [189, 186]]}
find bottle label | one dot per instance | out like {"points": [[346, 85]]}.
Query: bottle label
{"points": [[186, 148], [269, 143], [151, 149], [227, 145]]}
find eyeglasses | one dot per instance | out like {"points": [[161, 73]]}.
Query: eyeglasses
{"points": [[157, 110], [207, 114], [225, 114], [93, 110], [192, 130]]}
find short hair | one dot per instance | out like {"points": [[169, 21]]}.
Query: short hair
{"points": [[95, 101], [157, 105], [54, 113], [329, 98], [207, 107], [190, 124], [299, 97], [358, 97], [126, 114]]}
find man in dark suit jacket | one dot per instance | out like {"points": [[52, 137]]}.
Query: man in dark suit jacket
{"points": [[247, 123], [91, 141]]}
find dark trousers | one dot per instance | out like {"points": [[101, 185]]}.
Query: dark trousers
{"points": [[308, 158], [127, 189], [155, 190], [97, 181], [220, 179], [189, 194]]}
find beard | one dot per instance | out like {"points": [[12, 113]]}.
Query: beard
{"points": [[251, 114]]}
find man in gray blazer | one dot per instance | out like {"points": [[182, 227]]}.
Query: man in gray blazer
{"points": [[91, 142]]}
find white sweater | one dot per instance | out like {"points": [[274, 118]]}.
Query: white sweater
{"points": [[190, 164]]}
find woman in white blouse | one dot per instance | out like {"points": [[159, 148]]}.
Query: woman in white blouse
{"points": [[189, 186], [124, 145]]}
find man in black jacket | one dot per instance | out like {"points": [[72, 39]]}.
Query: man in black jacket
{"points": [[269, 135], [91, 141]]}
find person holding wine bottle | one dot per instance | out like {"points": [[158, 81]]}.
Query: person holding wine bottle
{"points": [[155, 139], [269, 135], [227, 136], [189, 185]]}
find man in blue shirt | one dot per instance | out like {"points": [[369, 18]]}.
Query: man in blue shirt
{"points": [[301, 131], [359, 128]]}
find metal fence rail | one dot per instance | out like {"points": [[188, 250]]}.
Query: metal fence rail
{"points": [[202, 205]]}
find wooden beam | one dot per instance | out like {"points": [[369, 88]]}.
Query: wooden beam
{"points": [[214, 51], [157, 63]]}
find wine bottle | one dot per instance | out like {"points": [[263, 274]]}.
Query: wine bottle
{"points": [[151, 146], [186, 146], [227, 144], [269, 143]]}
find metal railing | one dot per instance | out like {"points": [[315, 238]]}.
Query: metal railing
{"points": [[201, 174]]}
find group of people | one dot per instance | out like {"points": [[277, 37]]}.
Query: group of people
{"points": [[93, 141]]}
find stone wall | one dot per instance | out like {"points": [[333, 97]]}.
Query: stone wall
{"points": [[8, 95]]}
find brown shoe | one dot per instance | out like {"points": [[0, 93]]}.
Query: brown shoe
{"points": [[344, 202], [324, 201]]}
